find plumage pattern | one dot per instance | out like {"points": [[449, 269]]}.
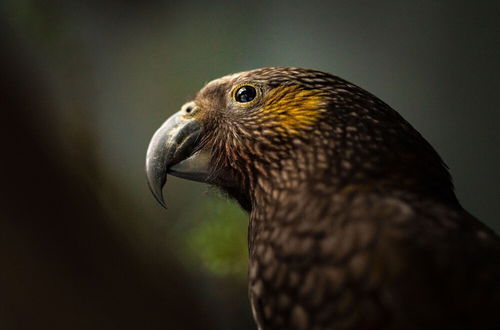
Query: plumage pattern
{"points": [[354, 223]]}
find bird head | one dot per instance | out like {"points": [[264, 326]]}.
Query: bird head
{"points": [[285, 128]]}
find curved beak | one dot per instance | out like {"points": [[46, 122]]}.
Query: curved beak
{"points": [[171, 151]]}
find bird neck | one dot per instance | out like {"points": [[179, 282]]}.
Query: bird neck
{"points": [[318, 175]]}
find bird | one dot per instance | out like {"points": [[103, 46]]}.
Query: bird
{"points": [[353, 218]]}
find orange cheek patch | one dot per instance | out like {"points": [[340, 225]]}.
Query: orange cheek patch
{"points": [[292, 109]]}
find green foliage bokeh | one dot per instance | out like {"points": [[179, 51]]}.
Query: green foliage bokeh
{"points": [[218, 243]]}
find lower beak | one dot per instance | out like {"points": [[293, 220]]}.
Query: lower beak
{"points": [[171, 150]]}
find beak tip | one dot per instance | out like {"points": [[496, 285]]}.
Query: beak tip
{"points": [[156, 178], [161, 201], [158, 194]]}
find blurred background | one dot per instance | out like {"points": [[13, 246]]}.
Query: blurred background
{"points": [[84, 85]]}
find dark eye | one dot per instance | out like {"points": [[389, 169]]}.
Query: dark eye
{"points": [[245, 94]]}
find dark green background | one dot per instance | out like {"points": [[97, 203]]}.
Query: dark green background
{"points": [[84, 85]]}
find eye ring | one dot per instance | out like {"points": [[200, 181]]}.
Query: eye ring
{"points": [[245, 94]]}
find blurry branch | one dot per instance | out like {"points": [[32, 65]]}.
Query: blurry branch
{"points": [[61, 266]]}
